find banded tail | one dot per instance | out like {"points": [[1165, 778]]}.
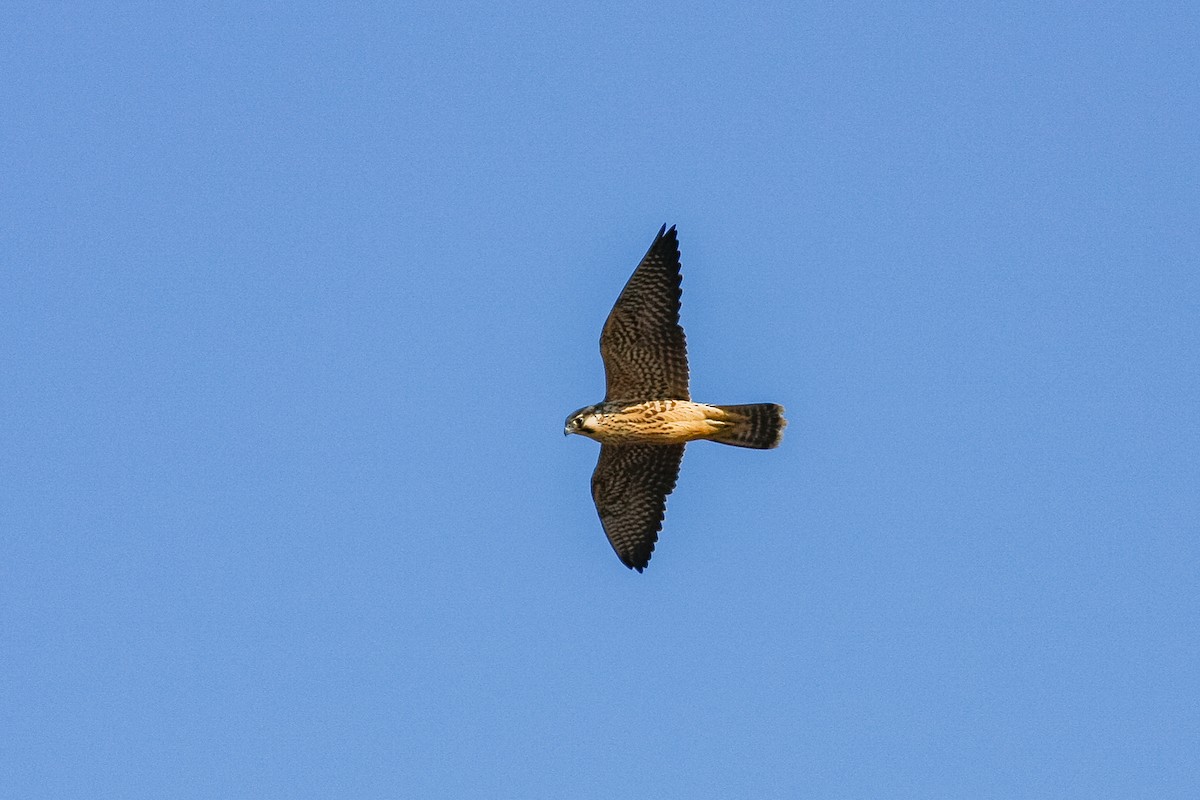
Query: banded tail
{"points": [[758, 425]]}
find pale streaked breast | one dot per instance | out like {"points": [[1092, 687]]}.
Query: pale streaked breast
{"points": [[657, 422]]}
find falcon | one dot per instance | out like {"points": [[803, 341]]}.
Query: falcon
{"points": [[648, 415]]}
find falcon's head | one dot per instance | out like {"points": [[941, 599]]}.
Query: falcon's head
{"points": [[582, 422]]}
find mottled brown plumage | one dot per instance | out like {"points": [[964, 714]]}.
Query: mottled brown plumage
{"points": [[647, 414], [630, 487], [642, 344]]}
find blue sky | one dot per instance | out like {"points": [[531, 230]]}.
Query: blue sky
{"points": [[295, 301]]}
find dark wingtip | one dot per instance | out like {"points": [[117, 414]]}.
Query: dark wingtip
{"points": [[666, 242], [631, 564]]}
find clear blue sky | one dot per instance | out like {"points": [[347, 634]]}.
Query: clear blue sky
{"points": [[295, 299]]}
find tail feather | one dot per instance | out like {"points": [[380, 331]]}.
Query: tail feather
{"points": [[758, 425]]}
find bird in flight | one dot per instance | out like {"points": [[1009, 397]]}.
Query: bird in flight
{"points": [[648, 415]]}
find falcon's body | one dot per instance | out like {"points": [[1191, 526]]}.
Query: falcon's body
{"points": [[651, 422], [647, 414]]}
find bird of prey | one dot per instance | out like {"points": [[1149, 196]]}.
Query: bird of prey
{"points": [[648, 415]]}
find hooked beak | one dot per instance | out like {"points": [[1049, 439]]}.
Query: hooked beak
{"points": [[566, 431]]}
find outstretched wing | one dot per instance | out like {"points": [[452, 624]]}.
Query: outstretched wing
{"points": [[644, 352], [630, 488]]}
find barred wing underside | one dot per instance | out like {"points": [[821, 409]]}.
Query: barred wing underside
{"points": [[644, 351], [630, 488]]}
